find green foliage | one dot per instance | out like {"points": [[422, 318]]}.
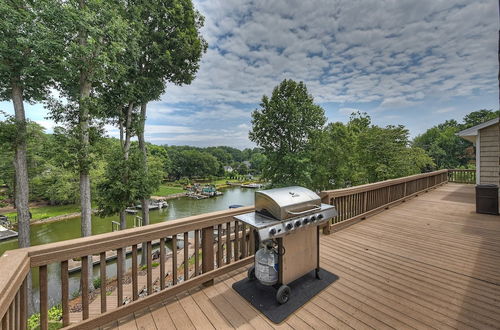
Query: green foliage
{"points": [[30, 48], [97, 282], [113, 194], [359, 152], [258, 162], [446, 148], [55, 316], [165, 190], [477, 117], [284, 127], [153, 265]]}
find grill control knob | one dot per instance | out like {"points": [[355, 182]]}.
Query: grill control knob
{"points": [[313, 218], [320, 216], [289, 226], [306, 221], [297, 223], [272, 231]]}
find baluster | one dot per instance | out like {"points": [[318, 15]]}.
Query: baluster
{"points": [[228, 243], [17, 310], [5, 321], [12, 322], [365, 201], [162, 263], [103, 277], [243, 240], [197, 252], [207, 250], [65, 292], [236, 241], [119, 277], [85, 287], [149, 264], [135, 283], [220, 251], [24, 304], [174, 259], [186, 256], [251, 242], [44, 317]]}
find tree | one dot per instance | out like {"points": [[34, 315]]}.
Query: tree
{"points": [[284, 128], [28, 53], [94, 34], [171, 48], [258, 162], [26, 72], [444, 146], [477, 117]]}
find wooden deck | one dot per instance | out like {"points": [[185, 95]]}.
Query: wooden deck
{"points": [[431, 262]]}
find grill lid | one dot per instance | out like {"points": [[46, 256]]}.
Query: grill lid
{"points": [[288, 202]]}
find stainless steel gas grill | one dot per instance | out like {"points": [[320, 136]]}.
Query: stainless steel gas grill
{"points": [[287, 222]]}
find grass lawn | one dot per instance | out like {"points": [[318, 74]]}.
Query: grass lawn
{"points": [[168, 190], [44, 212]]}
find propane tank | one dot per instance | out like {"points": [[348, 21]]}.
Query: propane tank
{"points": [[266, 263]]}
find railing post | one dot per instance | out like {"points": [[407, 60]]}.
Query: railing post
{"points": [[207, 251]]}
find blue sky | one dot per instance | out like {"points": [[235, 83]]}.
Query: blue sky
{"points": [[414, 63]]}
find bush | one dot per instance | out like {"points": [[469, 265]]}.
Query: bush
{"points": [[154, 264], [97, 282], [55, 315]]}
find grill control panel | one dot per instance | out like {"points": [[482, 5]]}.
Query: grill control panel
{"points": [[286, 227]]}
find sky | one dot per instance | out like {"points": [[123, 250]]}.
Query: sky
{"points": [[415, 63]]}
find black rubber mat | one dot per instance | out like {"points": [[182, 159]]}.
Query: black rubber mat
{"points": [[263, 298]]}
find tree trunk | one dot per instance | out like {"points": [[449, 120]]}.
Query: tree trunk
{"points": [[126, 151], [142, 147], [84, 166], [21, 186]]}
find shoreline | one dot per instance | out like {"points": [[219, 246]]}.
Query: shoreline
{"points": [[78, 214]]}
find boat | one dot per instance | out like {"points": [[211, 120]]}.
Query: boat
{"points": [[6, 233], [131, 211], [154, 205], [252, 185]]}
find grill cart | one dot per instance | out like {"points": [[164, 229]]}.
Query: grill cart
{"points": [[287, 223]]}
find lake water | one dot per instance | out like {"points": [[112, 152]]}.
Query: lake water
{"points": [[70, 228]]}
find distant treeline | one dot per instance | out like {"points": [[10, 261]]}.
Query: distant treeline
{"points": [[53, 165], [339, 155]]}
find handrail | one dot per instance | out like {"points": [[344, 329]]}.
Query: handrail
{"points": [[63, 250], [14, 267], [356, 203], [221, 244], [380, 184]]}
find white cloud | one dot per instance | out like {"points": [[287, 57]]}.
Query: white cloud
{"points": [[347, 111], [345, 51]]}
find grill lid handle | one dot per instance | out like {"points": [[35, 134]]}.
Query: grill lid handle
{"points": [[314, 208]]}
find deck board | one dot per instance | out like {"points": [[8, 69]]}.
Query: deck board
{"points": [[428, 263]]}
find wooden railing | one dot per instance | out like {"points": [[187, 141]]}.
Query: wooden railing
{"points": [[219, 244], [462, 176], [356, 203], [14, 269]]}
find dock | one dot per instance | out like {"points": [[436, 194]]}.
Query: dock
{"points": [[6, 233]]}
